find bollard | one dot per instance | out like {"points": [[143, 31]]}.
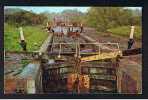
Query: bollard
{"points": [[22, 42], [81, 27], [48, 26], [131, 40]]}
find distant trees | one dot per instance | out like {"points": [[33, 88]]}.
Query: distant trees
{"points": [[25, 18], [73, 15], [103, 18]]}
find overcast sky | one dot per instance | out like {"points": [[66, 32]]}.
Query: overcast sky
{"points": [[39, 9]]}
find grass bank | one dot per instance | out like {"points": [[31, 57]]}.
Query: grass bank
{"points": [[34, 36], [125, 31]]}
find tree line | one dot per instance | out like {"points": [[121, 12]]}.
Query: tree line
{"points": [[24, 18], [104, 18], [101, 18]]}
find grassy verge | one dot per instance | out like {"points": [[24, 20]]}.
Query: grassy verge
{"points": [[125, 31], [34, 36]]}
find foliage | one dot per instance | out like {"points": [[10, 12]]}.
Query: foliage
{"points": [[104, 18], [22, 18], [73, 15]]}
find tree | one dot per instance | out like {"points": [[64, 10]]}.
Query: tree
{"points": [[103, 18], [25, 18]]}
